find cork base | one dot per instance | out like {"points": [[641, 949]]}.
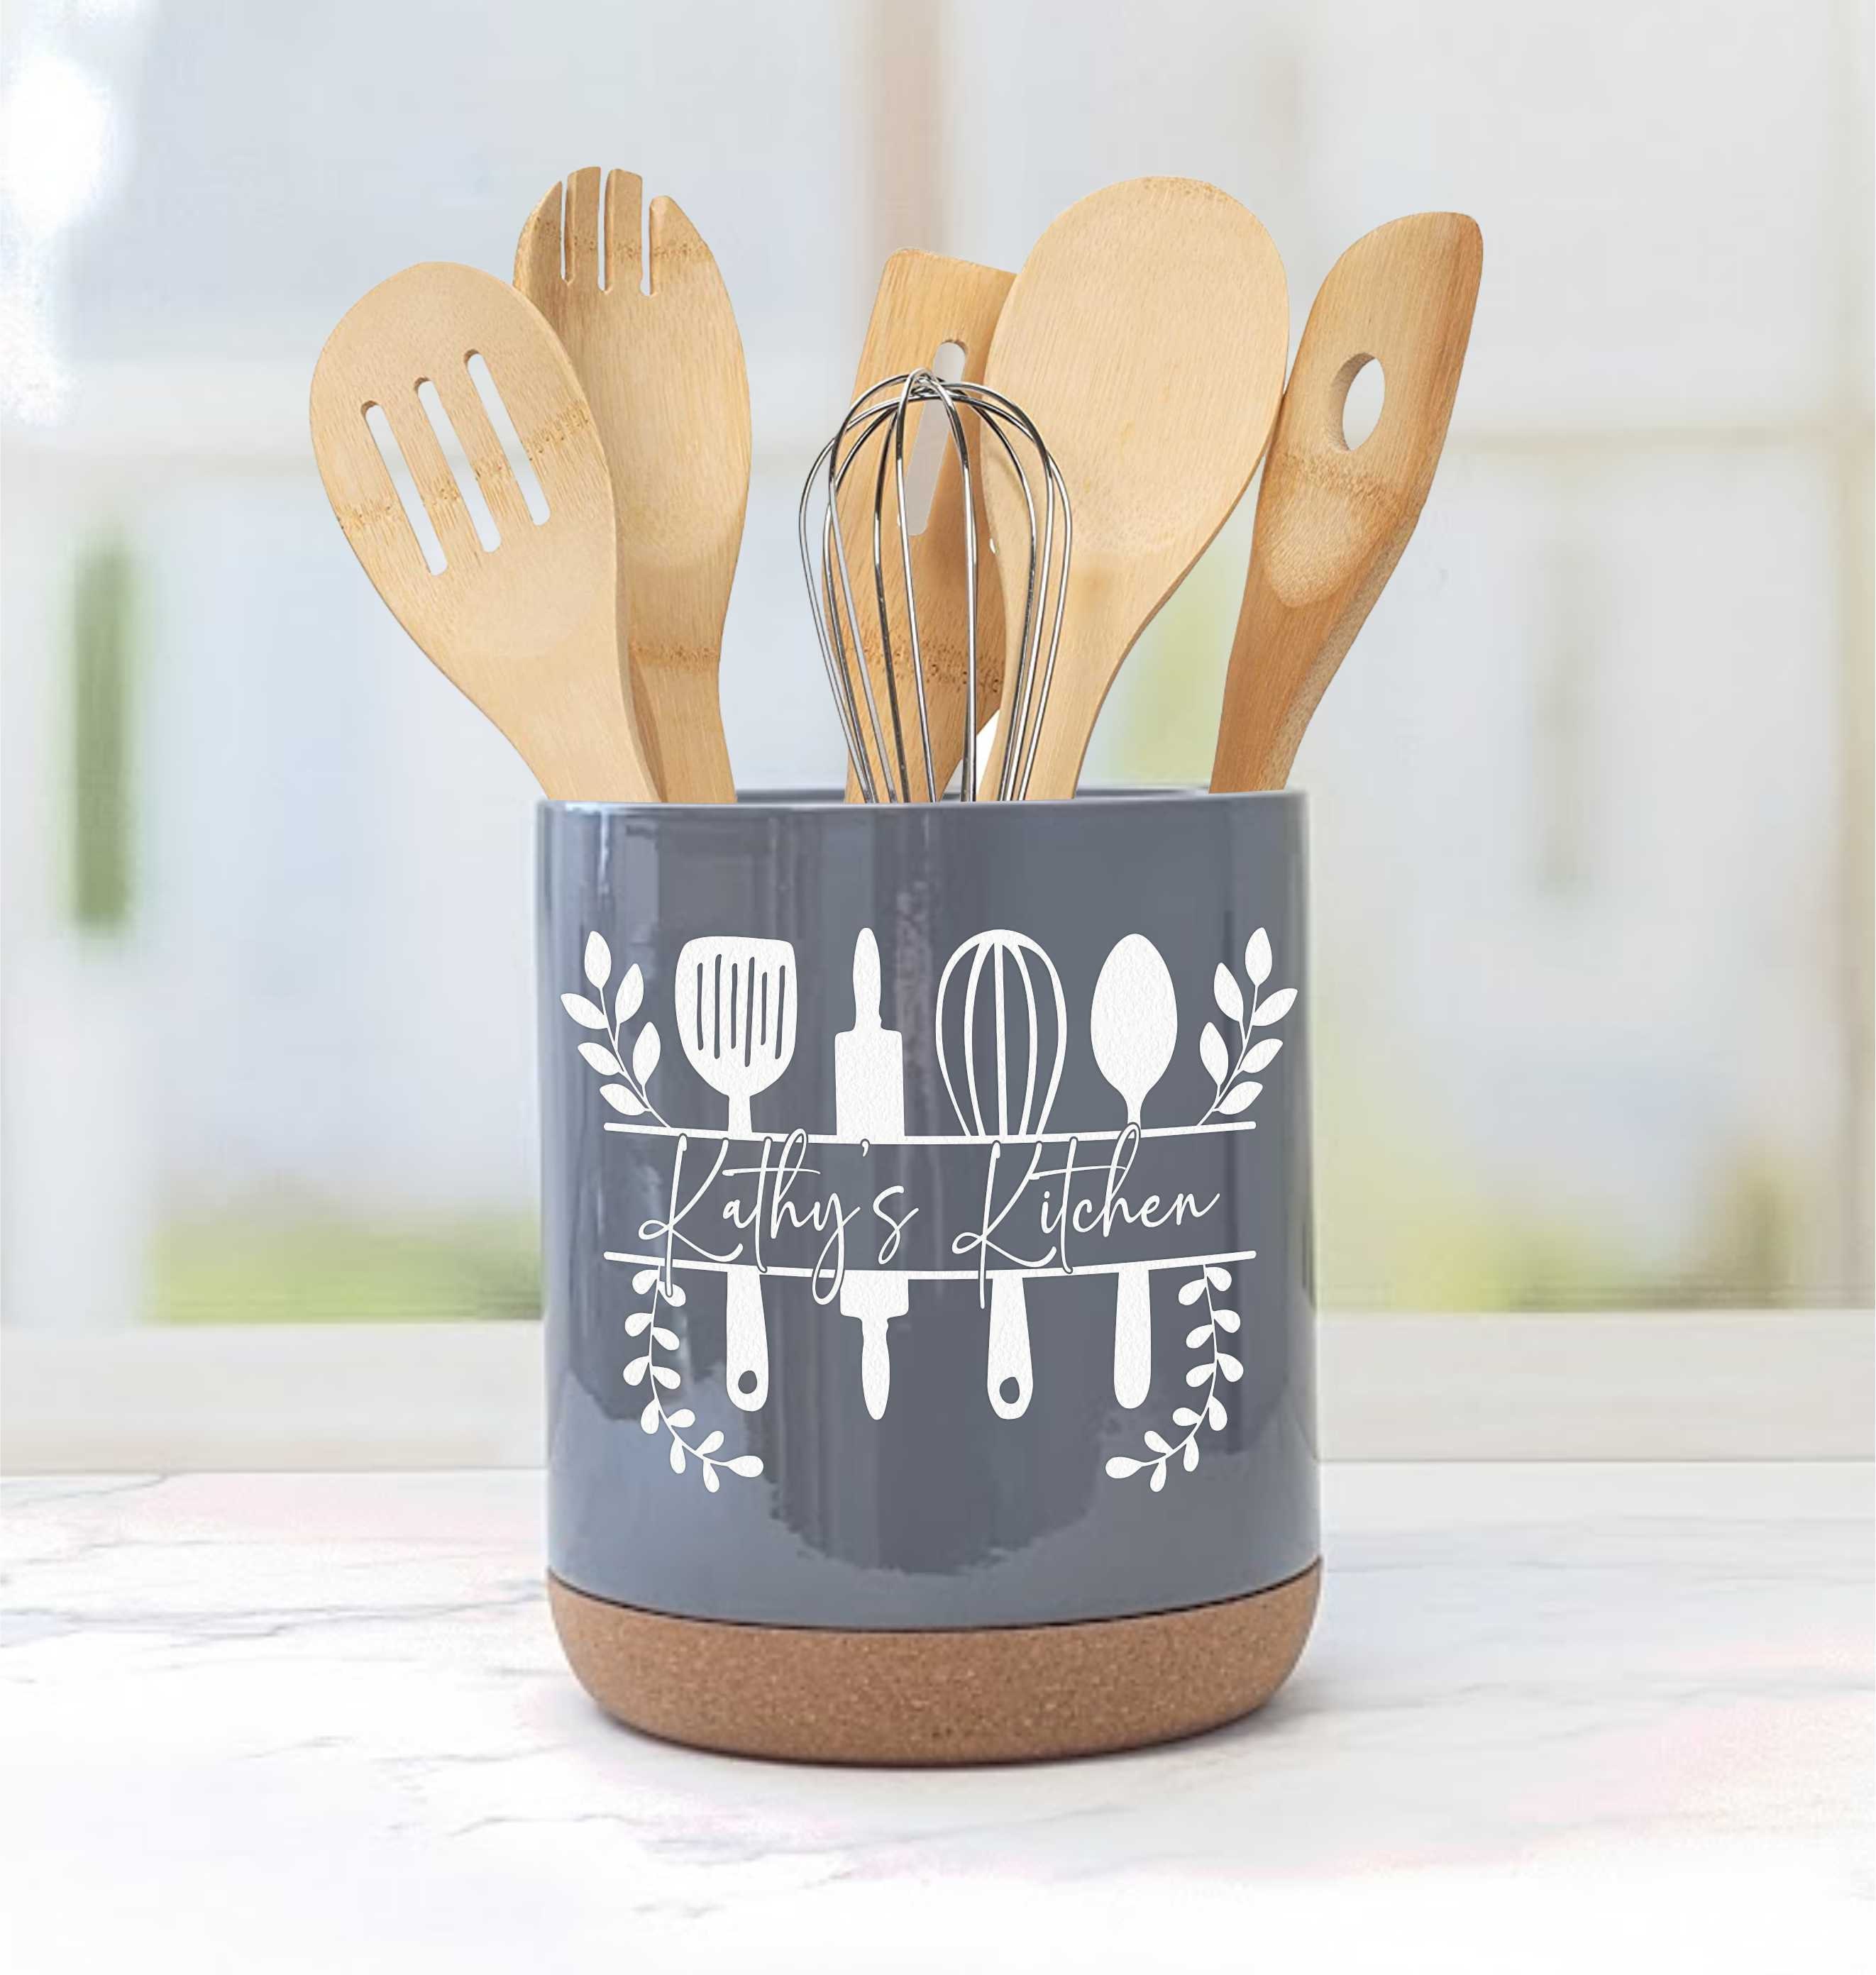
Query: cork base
{"points": [[1012, 1694]]}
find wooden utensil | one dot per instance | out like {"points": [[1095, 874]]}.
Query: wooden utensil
{"points": [[526, 628], [735, 999], [1134, 1026], [1331, 520], [1146, 336], [924, 302], [664, 374]]}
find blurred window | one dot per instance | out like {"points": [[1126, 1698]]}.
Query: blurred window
{"points": [[1590, 801]]}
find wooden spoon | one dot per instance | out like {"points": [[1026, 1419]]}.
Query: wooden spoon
{"points": [[664, 374], [924, 302], [526, 628], [1146, 336], [1331, 520]]}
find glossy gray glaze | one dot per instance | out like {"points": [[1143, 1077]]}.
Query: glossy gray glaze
{"points": [[939, 1513]]}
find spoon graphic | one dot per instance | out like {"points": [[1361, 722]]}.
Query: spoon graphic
{"points": [[1134, 1025]]}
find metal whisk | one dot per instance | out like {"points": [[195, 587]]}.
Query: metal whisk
{"points": [[888, 769]]}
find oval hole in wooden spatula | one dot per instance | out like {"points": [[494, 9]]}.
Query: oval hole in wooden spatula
{"points": [[1364, 396]]}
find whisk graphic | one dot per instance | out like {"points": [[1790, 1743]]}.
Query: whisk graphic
{"points": [[1002, 1035], [889, 765]]}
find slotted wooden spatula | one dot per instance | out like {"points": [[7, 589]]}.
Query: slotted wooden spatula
{"points": [[924, 302], [1146, 336], [664, 374], [526, 628], [1331, 521]]}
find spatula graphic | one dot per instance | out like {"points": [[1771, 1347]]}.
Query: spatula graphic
{"points": [[734, 1001]]}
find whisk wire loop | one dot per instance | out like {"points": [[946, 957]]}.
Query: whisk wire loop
{"points": [[884, 765]]}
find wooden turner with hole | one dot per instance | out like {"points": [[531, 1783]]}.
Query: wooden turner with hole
{"points": [[924, 303], [526, 628], [664, 373], [1331, 520]]}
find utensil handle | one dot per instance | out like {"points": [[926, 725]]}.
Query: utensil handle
{"points": [[746, 1339], [1060, 725], [679, 719], [1133, 1333], [875, 1365], [875, 1297], [1008, 1359], [579, 751]]}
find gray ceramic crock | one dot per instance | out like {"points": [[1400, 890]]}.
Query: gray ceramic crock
{"points": [[992, 1462]]}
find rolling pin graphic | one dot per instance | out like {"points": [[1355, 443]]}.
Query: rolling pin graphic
{"points": [[870, 1103]]}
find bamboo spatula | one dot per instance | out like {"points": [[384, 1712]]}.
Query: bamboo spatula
{"points": [[1331, 520], [924, 302], [526, 628], [1146, 336], [664, 374]]}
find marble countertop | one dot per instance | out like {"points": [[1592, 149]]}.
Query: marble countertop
{"points": [[1551, 1715]]}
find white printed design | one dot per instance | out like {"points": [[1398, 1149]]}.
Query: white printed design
{"points": [[735, 1019], [1000, 1030], [1235, 1091], [870, 1104], [628, 1095], [1021, 1038], [1232, 1073], [1134, 1027], [646, 1370], [1210, 1409]]}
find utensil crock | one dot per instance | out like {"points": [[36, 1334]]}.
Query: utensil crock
{"points": [[978, 1551]]}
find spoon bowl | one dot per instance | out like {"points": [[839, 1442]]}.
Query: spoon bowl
{"points": [[1146, 336], [525, 627]]}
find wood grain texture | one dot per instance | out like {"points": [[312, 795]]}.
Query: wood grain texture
{"points": [[1332, 523], [997, 1695], [527, 628], [925, 300], [1146, 336], [664, 374]]}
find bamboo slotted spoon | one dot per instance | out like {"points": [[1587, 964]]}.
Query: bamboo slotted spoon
{"points": [[664, 374], [1331, 520], [526, 628]]}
